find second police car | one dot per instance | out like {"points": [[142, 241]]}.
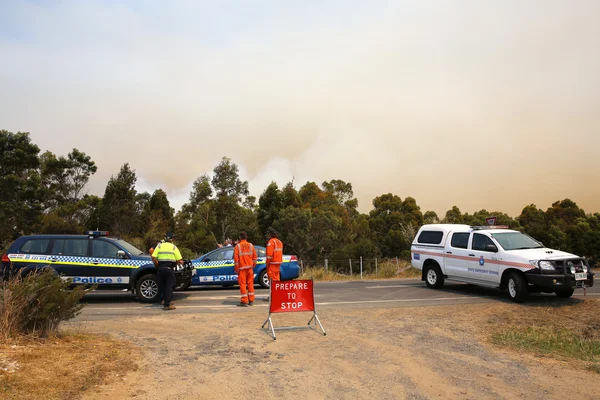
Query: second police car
{"points": [[497, 257], [92, 259], [216, 268]]}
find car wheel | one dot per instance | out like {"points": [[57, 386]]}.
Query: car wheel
{"points": [[263, 279], [146, 288], [565, 293], [183, 286], [517, 287], [433, 277]]}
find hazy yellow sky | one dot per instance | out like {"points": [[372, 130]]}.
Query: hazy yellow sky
{"points": [[480, 104]]}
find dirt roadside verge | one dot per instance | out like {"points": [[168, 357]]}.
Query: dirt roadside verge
{"points": [[441, 352], [62, 367]]}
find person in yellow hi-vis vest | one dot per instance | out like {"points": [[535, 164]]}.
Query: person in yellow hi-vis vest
{"points": [[166, 256]]}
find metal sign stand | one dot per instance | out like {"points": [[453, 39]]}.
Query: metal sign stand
{"points": [[272, 329]]}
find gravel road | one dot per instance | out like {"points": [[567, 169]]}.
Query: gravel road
{"points": [[436, 352]]}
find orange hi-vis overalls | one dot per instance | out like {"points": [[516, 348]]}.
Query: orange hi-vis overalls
{"points": [[244, 259], [274, 258]]}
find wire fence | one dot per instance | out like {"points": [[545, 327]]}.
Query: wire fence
{"points": [[372, 267]]}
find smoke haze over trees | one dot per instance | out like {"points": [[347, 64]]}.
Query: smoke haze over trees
{"points": [[46, 193]]}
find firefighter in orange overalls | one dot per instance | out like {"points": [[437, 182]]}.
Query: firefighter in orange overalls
{"points": [[274, 256], [244, 259]]}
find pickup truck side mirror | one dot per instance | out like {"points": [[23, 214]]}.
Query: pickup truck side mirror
{"points": [[491, 248]]}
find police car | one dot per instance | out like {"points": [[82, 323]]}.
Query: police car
{"points": [[498, 257], [216, 268], [92, 259]]}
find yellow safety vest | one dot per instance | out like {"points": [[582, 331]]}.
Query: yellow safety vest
{"points": [[166, 252]]}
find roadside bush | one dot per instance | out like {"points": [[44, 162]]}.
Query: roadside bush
{"points": [[387, 269], [403, 269], [405, 255], [318, 274], [36, 304], [363, 247]]}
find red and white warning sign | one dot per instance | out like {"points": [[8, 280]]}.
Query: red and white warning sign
{"points": [[491, 221], [292, 296]]}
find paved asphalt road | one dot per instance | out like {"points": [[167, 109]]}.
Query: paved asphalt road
{"points": [[375, 293]]}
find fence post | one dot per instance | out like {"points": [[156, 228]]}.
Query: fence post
{"points": [[326, 269], [397, 266], [361, 267], [350, 261], [375, 266], [302, 267]]}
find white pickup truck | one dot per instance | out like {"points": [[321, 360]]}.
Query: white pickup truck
{"points": [[497, 257]]}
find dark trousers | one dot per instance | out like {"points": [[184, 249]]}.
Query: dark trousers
{"points": [[166, 281]]}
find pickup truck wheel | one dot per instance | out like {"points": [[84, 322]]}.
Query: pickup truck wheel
{"points": [[434, 278], [146, 288], [565, 293], [517, 287], [263, 279]]}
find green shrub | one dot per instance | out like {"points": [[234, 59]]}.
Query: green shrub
{"points": [[187, 254], [405, 255], [36, 304]]}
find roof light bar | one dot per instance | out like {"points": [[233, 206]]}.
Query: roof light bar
{"points": [[490, 227], [98, 233]]}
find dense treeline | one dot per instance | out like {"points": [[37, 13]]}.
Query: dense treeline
{"points": [[45, 193]]}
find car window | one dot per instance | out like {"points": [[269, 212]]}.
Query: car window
{"points": [[460, 240], [70, 247], [35, 246], [260, 252], [430, 237], [224, 255], [480, 242], [104, 249]]}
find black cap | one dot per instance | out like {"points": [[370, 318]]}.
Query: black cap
{"points": [[169, 235]]}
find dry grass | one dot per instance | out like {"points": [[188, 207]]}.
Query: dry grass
{"points": [[62, 367], [385, 270], [566, 331]]}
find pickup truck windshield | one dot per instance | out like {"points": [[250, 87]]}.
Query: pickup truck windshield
{"points": [[516, 241], [130, 248]]}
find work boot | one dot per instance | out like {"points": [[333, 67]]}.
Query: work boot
{"points": [[251, 303], [169, 308], [242, 305]]}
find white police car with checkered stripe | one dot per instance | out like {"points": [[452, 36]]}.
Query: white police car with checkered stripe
{"points": [[92, 259]]}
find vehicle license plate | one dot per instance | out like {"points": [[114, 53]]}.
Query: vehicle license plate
{"points": [[580, 276]]}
